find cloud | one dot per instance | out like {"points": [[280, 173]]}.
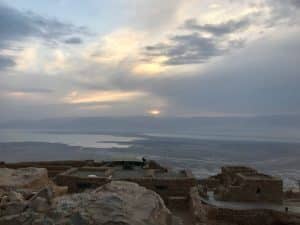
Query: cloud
{"points": [[115, 47], [30, 90], [295, 3], [190, 49], [100, 97], [73, 40], [284, 12], [217, 29], [16, 25], [196, 43], [108, 71], [154, 14], [262, 78], [6, 62]]}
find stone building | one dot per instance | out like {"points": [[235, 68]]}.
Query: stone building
{"points": [[238, 183]]}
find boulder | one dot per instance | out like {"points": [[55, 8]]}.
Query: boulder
{"points": [[26, 218], [11, 202], [116, 203], [12, 208]]}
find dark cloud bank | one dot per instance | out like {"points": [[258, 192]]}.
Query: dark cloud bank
{"points": [[195, 47], [18, 25]]}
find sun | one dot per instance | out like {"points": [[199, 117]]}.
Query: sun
{"points": [[154, 112]]}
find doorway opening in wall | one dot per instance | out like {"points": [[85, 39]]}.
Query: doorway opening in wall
{"points": [[83, 186], [258, 191]]}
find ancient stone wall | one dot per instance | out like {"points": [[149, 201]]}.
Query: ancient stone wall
{"points": [[78, 184], [246, 184], [229, 173], [251, 217], [54, 167], [258, 190], [206, 214]]}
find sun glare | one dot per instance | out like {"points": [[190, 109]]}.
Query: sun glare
{"points": [[154, 112], [148, 69]]}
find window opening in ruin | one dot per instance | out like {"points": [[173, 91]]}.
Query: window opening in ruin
{"points": [[83, 186], [161, 187], [258, 191]]}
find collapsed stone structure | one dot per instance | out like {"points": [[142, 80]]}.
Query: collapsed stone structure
{"points": [[239, 183], [241, 195], [204, 213]]}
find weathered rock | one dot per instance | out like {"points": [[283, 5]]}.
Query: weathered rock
{"points": [[11, 202], [40, 205], [12, 208], [46, 193], [117, 203], [31, 178], [26, 218], [14, 196], [26, 193], [59, 190], [19, 191]]}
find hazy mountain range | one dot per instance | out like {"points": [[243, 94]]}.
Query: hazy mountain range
{"points": [[260, 125]]}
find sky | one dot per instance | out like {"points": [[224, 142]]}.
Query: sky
{"points": [[71, 58]]}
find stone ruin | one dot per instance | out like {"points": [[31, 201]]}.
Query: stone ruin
{"points": [[244, 184], [135, 193], [172, 186]]}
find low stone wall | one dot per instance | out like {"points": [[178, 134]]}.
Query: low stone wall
{"points": [[261, 190], [54, 167], [73, 163], [78, 184], [251, 217]]}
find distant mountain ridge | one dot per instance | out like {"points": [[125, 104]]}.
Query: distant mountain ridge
{"points": [[156, 124]]}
